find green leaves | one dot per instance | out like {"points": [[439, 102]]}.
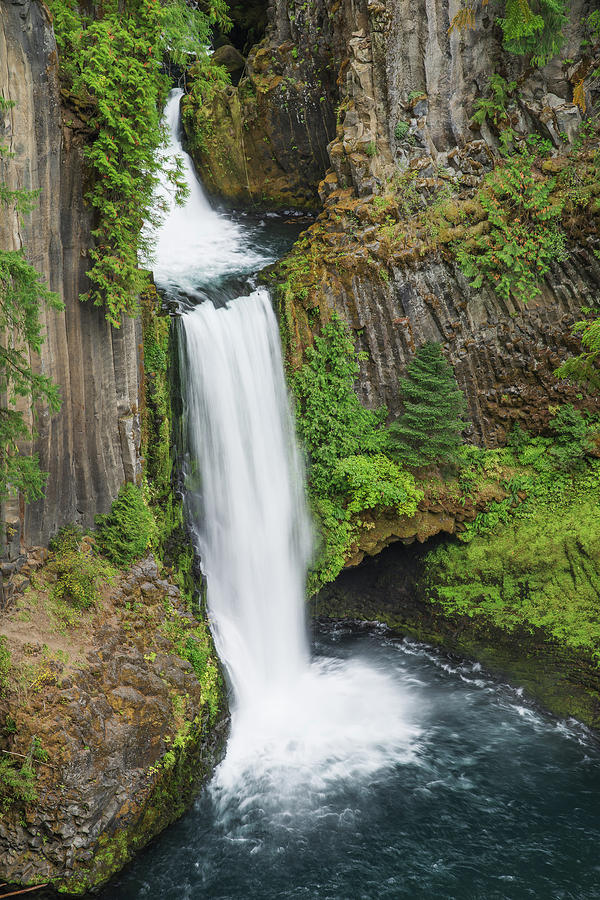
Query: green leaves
{"points": [[523, 237], [332, 422], [429, 429], [348, 470], [534, 31], [372, 481], [22, 295], [127, 531], [112, 65], [585, 367]]}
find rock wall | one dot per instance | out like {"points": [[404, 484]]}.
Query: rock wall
{"points": [[401, 63], [130, 728], [405, 138], [264, 141], [91, 446]]}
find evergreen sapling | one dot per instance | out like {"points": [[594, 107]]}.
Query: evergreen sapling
{"points": [[429, 429]]}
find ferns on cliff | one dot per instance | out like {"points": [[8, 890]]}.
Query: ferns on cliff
{"points": [[23, 294], [530, 27], [111, 64], [523, 238], [585, 368]]}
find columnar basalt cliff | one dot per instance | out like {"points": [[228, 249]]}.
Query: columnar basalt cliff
{"points": [[406, 164], [406, 86], [92, 445]]}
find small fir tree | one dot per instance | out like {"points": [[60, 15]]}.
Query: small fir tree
{"points": [[429, 429]]}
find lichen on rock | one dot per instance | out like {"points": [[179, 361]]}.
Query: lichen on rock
{"points": [[128, 705]]}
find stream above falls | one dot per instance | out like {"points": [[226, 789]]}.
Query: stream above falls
{"points": [[360, 765]]}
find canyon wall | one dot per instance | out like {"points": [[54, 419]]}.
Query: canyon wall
{"points": [[407, 94], [404, 86], [92, 445]]}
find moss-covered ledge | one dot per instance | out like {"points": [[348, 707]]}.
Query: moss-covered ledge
{"points": [[523, 600], [565, 681]]}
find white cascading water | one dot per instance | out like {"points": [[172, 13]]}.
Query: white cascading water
{"points": [[253, 534], [194, 243], [300, 728]]}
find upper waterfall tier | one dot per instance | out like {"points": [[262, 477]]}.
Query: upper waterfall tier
{"points": [[196, 245]]}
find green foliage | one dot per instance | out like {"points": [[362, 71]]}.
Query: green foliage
{"points": [[401, 130], [332, 422], [206, 81], [371, 149], [17, 782], [23, 293], [79, 574], [573, 438], [534, 28], [546, 470], [192, 641], [127, 531], [371, 481], [111, 63], [585, 367], [348, 470], [493, 108], [538, 568], [523, 237], [334, 533], [530, 27], [5, 662], [429, 429]]}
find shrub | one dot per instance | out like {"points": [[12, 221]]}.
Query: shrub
{"points": [[126, 532], [573, 438], [79, 573], [112, 68], [331, 420], [372, 481], [17, 782]]}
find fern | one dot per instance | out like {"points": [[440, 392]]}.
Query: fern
{"points": [[530, 27]]}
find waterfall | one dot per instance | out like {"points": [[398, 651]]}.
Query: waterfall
{"points": [[299, 724], [195, 244], [252, 527]]}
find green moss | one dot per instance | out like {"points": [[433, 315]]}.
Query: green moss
{"points": [[192, 641], [539, 569], [5, 663], [127, 531]]}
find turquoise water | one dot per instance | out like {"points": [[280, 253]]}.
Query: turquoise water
{"points": [[490, 799]]}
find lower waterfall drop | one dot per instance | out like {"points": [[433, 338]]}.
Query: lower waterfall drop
{"points": [[297, 726]]}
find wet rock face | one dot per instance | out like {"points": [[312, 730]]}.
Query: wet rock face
{"points": [[92, 445], [117, 773], [264, 141]]}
